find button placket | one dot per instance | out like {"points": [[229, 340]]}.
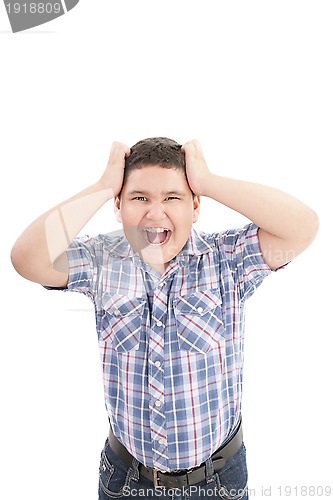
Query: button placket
{"points": [[156, 378]]}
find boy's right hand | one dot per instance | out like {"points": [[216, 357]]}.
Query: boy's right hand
{"points": [[113, 175]]}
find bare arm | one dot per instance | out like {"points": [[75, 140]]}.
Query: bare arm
{"points": [[39, 252], [287, 225]]}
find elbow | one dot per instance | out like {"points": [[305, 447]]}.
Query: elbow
{"points": [[313, 225], [13, 257], [21, 260], [310, 225], [17, 260]]}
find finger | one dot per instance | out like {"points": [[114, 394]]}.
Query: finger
{"points": [[192, 148], [120, 146], [119, 149]]}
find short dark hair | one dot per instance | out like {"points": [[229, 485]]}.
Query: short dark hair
{"points": [[161, 151]]}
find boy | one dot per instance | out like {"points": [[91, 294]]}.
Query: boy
{"points": [[169, 305]]}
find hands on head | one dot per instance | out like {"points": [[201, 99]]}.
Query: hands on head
{"points": [[113, 175], [196, 167]]}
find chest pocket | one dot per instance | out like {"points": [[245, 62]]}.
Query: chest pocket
{"points": [[122, 321], [199, 321]]}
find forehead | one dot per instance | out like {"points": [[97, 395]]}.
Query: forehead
{"points": [[156, 179]]}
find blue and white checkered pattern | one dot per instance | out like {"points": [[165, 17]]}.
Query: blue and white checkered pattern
{"points": [[171, 346]]}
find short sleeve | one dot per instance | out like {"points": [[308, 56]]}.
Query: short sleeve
{"points": [[241, 250], [82, 259]]}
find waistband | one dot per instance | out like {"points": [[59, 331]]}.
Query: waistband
{"points": [[183, 478]]}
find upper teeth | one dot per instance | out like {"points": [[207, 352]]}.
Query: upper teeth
{"points": [[155, 229]]}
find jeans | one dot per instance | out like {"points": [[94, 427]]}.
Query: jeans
{"points": [[117, 480]]}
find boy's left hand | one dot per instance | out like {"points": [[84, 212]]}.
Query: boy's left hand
{"points": [[197, 171]]}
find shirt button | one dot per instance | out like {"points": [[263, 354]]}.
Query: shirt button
{"points": [[157, 364], [158, 403], [159, 323], [161, 441], [200, 310], [116, 312]]}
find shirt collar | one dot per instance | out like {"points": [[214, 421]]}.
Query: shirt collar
{"points": [[197, 244]]}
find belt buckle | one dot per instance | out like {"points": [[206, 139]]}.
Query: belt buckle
{"points": [[157, 479]]}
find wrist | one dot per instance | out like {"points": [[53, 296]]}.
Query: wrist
{"points": [[206, 184], [105, 189]]}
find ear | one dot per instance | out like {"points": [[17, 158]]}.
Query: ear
{"points": [[116, 208], [196, 208]]}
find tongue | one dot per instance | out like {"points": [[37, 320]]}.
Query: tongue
{"points": [[156, 238]]}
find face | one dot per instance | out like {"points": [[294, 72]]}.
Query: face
{"points": [[157, 210]]}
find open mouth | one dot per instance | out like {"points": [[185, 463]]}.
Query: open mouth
{"points": [[156, 236]]}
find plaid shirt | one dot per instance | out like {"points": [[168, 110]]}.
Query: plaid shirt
{"points": [[171, 346]]}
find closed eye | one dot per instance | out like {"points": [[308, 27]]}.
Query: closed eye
{"points": [[140, 198], [172, 198]]}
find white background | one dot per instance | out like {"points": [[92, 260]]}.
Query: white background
{"points": [[252, 81]]}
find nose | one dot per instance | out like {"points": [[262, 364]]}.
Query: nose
{"points": [[155, 212]]}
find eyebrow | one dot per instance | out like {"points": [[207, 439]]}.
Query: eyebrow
{"points": [[164, 193]]}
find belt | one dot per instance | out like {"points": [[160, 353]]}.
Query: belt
{"points": [[184, 478]]}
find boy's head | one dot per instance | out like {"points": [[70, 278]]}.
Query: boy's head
{"points": [[155, 151], [156, 207]]}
